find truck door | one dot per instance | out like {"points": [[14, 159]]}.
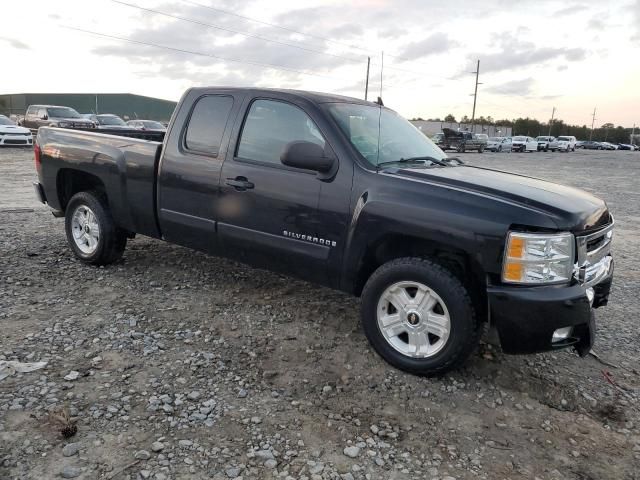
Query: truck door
{"points": [[189, 171], [268, 212]]}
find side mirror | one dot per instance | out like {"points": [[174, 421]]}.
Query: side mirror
{"points": [[308, 156]]}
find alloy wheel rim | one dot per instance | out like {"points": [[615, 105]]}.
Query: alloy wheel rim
{"points": [[85, 229], [413, 319]]}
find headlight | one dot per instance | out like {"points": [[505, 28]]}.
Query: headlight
{"points": [[534, 258], [64, 124]]}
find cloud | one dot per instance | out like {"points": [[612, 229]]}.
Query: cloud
{"points": [[193, 52], [432, 45], [635, 8], [570, 10], [522, 87], [598, 22], [16, 43], [515, 53]]}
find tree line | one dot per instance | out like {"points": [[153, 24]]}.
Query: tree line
{"points": [[608, 132]]}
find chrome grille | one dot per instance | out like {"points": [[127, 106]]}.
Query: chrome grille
{"points": [[594, 260]]}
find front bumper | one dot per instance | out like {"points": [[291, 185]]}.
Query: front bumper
{"points": [[16, 140], [527, 317]]}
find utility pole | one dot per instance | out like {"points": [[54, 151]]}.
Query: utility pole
{"points": [[593, 120], [633, 131], [553, 112], [475, 96], [366, 85], [96, 104]]}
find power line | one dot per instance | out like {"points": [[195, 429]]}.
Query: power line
{"points": [[230, 30], [250, 35], [203, 54], [291, 30], [298, 32]]}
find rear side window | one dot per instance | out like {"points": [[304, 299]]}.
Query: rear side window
{"points": [[207, 123], [270, 126]]}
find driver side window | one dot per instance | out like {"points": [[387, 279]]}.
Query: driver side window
{"points": [[269, 126]]}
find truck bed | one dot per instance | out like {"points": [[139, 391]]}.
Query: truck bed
{"points": [[124, 167]]}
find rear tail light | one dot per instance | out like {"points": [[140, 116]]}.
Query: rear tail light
{"points": [[36, 153]]}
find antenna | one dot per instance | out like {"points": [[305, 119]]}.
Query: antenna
{"points": [[381, 70], [366, 85]]}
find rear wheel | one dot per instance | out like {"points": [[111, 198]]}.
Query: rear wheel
{"points": [[480, 149], [91, 232], [419, 317]]}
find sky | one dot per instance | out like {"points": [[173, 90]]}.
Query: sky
{"points": [[534, 54]]}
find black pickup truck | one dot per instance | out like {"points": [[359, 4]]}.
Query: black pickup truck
{"points": [[462, 141], [347, 194]]}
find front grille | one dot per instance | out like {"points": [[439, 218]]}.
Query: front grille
{"points": [[9, 141], [593, 255]]}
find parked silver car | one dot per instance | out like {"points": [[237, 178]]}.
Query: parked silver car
{"points": [[499, 144]]}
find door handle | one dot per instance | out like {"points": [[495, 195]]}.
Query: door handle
{"points": [[239, 183]]}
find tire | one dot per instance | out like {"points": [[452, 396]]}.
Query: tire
{"points": [[452, 300], [480, 149], [499, 149], [91, 232], [461, 149]]}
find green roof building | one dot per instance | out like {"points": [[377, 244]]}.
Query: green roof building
{"points": [[125, 105]]}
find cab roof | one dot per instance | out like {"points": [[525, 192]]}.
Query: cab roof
{"points": [[315, 97]]}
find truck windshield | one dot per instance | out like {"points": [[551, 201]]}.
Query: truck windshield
{"points": [[381, 135], [62, 112]]}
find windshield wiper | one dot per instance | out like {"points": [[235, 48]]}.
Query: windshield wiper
{"points": [[433, 160], [455, 159]]}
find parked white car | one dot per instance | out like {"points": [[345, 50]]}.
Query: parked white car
{"points": [[567, 144], [524, 144], [13, 135], [499, 144], [547, 143]]}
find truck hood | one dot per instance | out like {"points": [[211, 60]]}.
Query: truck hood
{"points": [[571, 208]]}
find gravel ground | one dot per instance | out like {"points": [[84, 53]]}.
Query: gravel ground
{"points": [[175, 365]]}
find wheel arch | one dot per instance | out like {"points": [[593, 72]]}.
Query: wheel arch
{"points": [[459, 262], [70, 181]]}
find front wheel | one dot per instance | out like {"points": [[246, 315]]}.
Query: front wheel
{"points": [[419, 317], [91, 232]]}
